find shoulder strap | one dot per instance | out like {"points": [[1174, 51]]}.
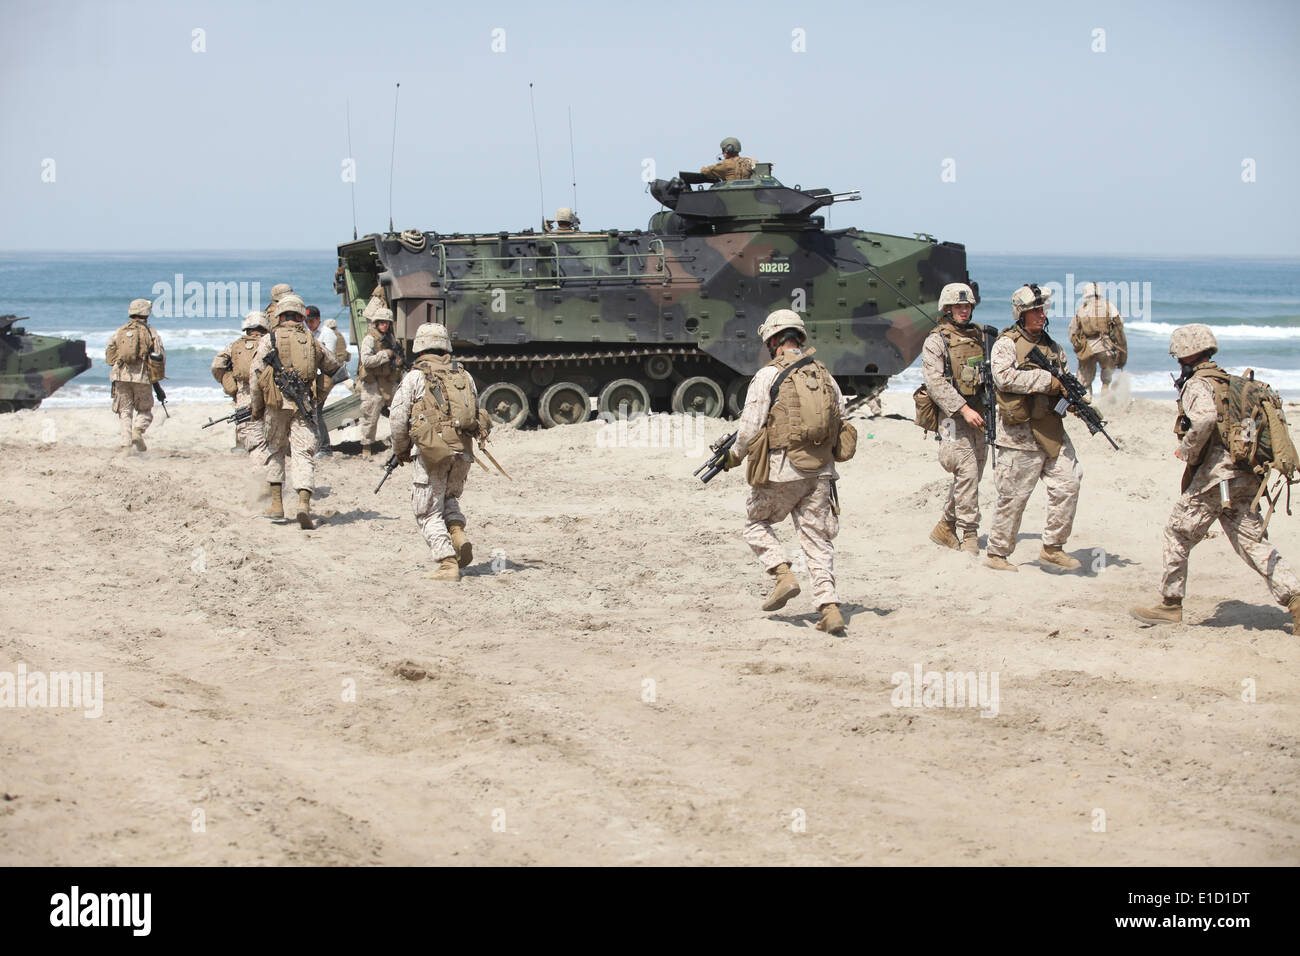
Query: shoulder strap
{"points": [[776, 386]]}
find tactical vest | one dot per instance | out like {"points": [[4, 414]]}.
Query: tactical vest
{"points": [[805, 418], [242, 351], [1038, 410], [1094, 319], [963, 343], [297, 350], [387, 374], [446, 416], [132, 343]]}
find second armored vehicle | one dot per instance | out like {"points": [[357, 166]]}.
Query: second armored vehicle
{"points": [[33, 367]]}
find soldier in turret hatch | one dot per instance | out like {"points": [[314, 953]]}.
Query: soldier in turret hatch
{"points": [[733, 165], [565, 220]]}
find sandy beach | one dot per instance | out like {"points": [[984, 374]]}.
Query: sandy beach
{"points": [[602, 687]]}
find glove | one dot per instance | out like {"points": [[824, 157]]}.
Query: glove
{"points": [[404, 456], [732, 460]]}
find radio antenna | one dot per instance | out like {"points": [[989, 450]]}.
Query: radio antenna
{"points": [[393, 158], [573, 165], [537, 143], [352, 157]]}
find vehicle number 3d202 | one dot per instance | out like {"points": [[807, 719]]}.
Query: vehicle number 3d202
{"points": [[774, 267]]}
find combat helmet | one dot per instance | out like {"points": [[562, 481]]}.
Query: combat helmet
{"points": [[955, 293], [140, 307], [381, 314], [730, 146], [431, 335], [1189, 340], [280, 290], [290, 305], [255, 320], [565, 215], [1029, 297], [779, 321]]}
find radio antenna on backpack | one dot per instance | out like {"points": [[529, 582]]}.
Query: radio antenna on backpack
{"points": [[352, 173], [537, 143], [573, 165], [393, 158]]}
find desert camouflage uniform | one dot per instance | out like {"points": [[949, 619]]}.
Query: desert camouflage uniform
{"points": [[962, 449], [377, 386], [1200, 505], [1099, 351], [132, 390], [1022, 461], [435, 499], [286, 426], [803, 496], [249, 435], [731, 168]]}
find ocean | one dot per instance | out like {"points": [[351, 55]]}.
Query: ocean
{"points": [[1253, 306]]}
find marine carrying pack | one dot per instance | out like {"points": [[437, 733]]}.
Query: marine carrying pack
{"points": [[964, 365], [803, 420], [129, 344], [1253, 428], [445, 418]]}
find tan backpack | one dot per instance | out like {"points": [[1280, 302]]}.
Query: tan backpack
{"points": [[445, 418]]}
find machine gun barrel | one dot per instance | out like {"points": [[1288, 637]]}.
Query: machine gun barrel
{"points": [[849, 195], [238, 416]]}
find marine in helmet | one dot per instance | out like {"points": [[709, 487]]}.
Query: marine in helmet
{"points": [[1097, 334], [953, 363], [434, 418], [1214, 487], [278, 292], [378, 372], [136, 360], [733, 165], [288, 433], [328, 335], [791, 446], [1031, 437], [232, 368], [566, 220]]}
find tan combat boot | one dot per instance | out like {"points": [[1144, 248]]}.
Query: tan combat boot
{"points": [[1054, 559], [946, 535], [366, 450], [832, 622], [999, 563], [970, 542], [137, 440], [786, 587], [1169, 611], [304, 510], [459, 541], [276, 507], [448, 570], [1294, 608]]}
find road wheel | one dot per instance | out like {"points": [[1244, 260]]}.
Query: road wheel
{"points": [[700, 395], [506, 403], [624, 393], [736, 390], [564, 403], [658, 367]]}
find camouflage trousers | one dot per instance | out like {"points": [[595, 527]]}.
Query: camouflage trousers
{"points": [[251, 436], [962, 453], [133, 399], [1018, 472], [1191, 519], [808, 502], [373, 401], [1088, 367], [437, 503], [287, 435]]}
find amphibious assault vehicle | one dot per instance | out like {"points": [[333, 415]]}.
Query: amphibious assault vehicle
{"points": [[33, 367], [559, 324]]}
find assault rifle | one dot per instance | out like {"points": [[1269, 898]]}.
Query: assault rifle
{"points": [[238, 416], [1075, 398], [718, 460], [162, 398], [292, 387], [989, 392], [390, 466]]}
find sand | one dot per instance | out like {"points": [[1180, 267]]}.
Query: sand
{"points": [[602, 687]]}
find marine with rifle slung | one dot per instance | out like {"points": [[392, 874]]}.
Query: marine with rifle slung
{"points": [[232, 368], [137, 363], [283, 379], [378, 372]]}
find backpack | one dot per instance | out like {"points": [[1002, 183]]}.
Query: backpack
{"points": [[1253, 428], [445, 417]]}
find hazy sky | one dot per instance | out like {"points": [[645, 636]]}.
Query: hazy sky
{"points": [[1055, 148]]}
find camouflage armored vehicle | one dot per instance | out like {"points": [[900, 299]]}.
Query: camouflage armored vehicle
{"points": [[557, 324], [33, 367]]}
